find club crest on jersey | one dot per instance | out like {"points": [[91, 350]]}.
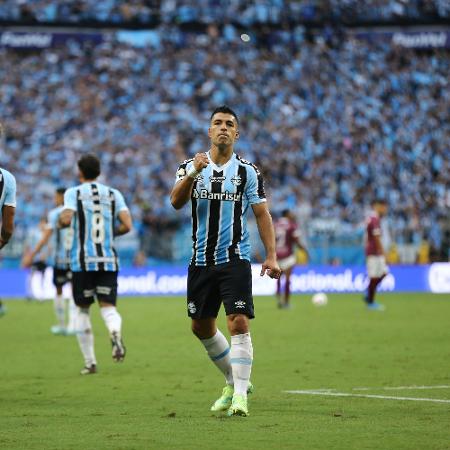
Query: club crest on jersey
{"points": [[200, 180], [192, 308], [237, 180], [217, 179]]}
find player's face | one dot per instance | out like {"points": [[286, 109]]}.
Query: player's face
{"points": [[59, 199], [223, 130], [382, 209]]}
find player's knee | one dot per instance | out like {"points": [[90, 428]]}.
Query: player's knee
{"points": [[238, 324], [203, 330]]}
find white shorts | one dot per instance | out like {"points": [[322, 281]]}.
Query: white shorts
{"points": [[376, 266], [287, 263]]}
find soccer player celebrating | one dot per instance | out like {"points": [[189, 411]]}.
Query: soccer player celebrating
{"points": [[287, 237], [221, 186], [7, 208], [95, 213], [376, 262], [62, 239]]}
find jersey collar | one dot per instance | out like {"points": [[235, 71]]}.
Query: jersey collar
{"points": [[220, 168]]}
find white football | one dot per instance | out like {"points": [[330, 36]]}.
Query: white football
{"points": [[319, 299]]}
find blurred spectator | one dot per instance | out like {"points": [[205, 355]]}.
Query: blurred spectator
{"points": [[331, 124], [243, 12]]}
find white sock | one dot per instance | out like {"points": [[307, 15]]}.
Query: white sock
{"points": [[73, 313], [60, 310], [112, 319], [241, 355], [85, 337], [219, 351]]}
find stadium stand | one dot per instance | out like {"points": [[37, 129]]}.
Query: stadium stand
{"points": [[220, 11], [332, 121]]}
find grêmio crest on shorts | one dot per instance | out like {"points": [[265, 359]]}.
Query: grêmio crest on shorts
{"points": [[220, 200]]}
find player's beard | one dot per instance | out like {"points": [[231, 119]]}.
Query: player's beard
{"points": [[224, 147]]}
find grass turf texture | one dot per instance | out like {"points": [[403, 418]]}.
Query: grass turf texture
{"points": [[159, 398]]}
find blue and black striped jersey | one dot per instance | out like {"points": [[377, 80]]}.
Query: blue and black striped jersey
{"points": [[220, 200], [61, 240], [96, 208], [7, 189]]}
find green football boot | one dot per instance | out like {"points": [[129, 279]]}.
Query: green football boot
{"points": [[238, 406], [223, 403]]}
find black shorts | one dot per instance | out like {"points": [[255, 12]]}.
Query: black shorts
{"points": [[88, 285], [229, 283], [61, 276], [39, 266]]}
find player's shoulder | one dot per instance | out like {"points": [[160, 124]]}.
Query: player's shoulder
{"points": [[72, 189], [185, 163], [55, 211], [182, 168], [247, 164], [372, 219], [7, 175]]}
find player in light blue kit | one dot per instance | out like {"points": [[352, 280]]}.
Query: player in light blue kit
{"points": [[222, 187], [7, 208], [96, 214], [59, 240]]}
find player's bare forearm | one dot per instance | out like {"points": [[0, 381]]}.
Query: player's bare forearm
{"points": [[46, 236], [181, 192], [265, 228], [7, 230], [65, 218], [267, 234], [125, 225], [302, 247]]}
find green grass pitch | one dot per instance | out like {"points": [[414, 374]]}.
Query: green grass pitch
{"points": [[159, 398]]}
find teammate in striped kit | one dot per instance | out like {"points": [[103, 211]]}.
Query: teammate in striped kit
{"points": [[96, 214], [60, 240], [7, 208], [222, 186]]}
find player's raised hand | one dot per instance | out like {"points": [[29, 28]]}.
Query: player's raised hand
{"points": [[271, 267], [200, 161]]}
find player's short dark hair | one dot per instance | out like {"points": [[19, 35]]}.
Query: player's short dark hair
{"points": [[226, 110], [89, 166], [379, 201], [61, 190]]}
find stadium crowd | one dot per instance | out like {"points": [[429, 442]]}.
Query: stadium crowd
{"points": [[332, 122], [220, 11]]}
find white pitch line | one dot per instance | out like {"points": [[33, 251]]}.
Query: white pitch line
{"points": [[385, 397], [399, 388]]}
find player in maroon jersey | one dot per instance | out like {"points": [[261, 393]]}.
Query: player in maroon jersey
{"points": [[376, 262], [287, 237]]}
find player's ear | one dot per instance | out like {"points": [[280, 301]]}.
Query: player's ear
{"points": [[209, 132], [237, 135]]}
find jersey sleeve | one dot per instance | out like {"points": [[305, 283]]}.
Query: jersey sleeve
{"points": [[10, 192], [254, 191], [182, 170], [70, 199], [120, 202], [52, 220]]}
